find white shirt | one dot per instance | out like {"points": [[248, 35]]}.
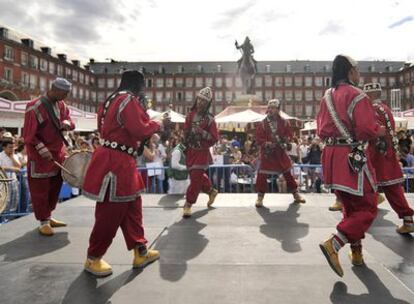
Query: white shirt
{"points": [[5, 161]]}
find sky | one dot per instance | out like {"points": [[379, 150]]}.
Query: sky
{"points": [[193, 30]]}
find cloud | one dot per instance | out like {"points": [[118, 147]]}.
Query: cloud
{"points": [[229, 17], [332, 28], [401, 22]]}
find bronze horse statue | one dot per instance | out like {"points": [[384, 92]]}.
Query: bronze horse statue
{"points": [[247, 66]]}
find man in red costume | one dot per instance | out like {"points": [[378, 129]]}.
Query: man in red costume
{"points": [[382, 153], [200, 132], [346, 120], [112, 178], [273, 135], [45, 119]]}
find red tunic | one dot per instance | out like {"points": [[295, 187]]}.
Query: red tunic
{"points": [[357, 114], [387, 167], [200, 158], [38, 131], [126, 123], [278, 161]]}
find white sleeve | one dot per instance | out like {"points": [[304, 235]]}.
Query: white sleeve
{"points": [[175, 161]]}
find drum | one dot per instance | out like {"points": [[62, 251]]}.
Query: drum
{"points": [[4, 190], [76, 166]]}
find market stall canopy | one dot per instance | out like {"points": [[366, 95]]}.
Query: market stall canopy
{"points": [[244, 117], [175, 116]]}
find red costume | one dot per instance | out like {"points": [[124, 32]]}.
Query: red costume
{"points": [[274, 160], [198, 156], [112, 178], [41, 134], [387, 168], [356, 190]]}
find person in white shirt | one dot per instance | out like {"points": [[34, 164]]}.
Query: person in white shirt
{"points": [[178, 175], [10, 164]]}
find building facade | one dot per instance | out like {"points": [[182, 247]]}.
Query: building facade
{"points": [[27, 69]]}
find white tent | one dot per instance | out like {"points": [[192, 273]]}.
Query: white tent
{"points": [[239, 120], [153, 114], [175, 116]]}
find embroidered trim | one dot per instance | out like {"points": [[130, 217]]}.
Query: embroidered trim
{"points": [[353, 104], [110, 180], [391, 182], [381, 111], [121, 107], [39, 146], [334, 115], [34, 174]]}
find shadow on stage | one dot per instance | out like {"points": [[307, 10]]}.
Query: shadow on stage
{"points": [[378, 293], [284, 227], [32, 244], [170, 201], [84, 289], [182, 243]]}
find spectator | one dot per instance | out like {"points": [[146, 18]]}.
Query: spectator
{"points": [[2, 131], [294, 150], [96, 143], [404, 142], [11, 165]]}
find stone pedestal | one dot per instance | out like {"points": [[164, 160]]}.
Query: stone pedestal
{"points": [[248, 100]]}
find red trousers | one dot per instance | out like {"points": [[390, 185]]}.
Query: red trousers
{"points": [[44, 194], [358, 213], [396, 198], [199, 181], [261, 182], [109, 217]]}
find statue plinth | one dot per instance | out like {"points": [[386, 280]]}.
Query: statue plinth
{"points": [[248, 100]]}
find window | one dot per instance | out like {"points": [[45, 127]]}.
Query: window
{"points": [[149, 82], [219, 68], [87, 79], [74, 91], [179, 82], [318, 81], [229, 82], [308, 81], [308, 95], [25, 79], [189, 96], [288, 81], [288, 95], [288, 68], [309, 110], [289, 109], [149, 95], [101, 83], [298, 81], [75, 75], [278, 81], [238, 82], [80, 93], [229, 96], [374, 79], [199, 82], [268, 94], [318, 94], [258, 81], [8, 74], [93, 96], [361, 81], [219, 82], [407, 92], [267, 68], [278, 94], [218, 95], [59, 70], [189, 82], [168, 96], [268, 81], [179, 96], [259, 94], [110, 83], [42, 84], [33, 81], [25, 58], [68, 71], [169, 82], [33, 62], [101, 96], [81, 77], [298, 95], [8, 53], [384, 94], [158, 96], [327, 81], [209, 82]]}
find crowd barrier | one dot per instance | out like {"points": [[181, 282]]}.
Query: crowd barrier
{"points": [[226, 178]]}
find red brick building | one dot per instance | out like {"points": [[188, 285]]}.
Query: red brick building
{"points": [[27, 68]]}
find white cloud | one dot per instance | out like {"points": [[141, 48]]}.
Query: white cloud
{"points": [[185, 30]]}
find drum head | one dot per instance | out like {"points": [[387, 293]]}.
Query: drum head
{"points": [[4, 190], [77, 164]]}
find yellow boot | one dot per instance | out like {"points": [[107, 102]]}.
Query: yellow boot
{"points": [[405, 229], [337, 206], [355, 254], [331, 256], [142, 261], [380, 199], [298, 198], [55, 223], [211, 197], [259, 201], [98, 267], [46, 230], [187, 210]]}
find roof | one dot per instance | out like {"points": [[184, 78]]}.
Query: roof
{"points": [[294, 66]]}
